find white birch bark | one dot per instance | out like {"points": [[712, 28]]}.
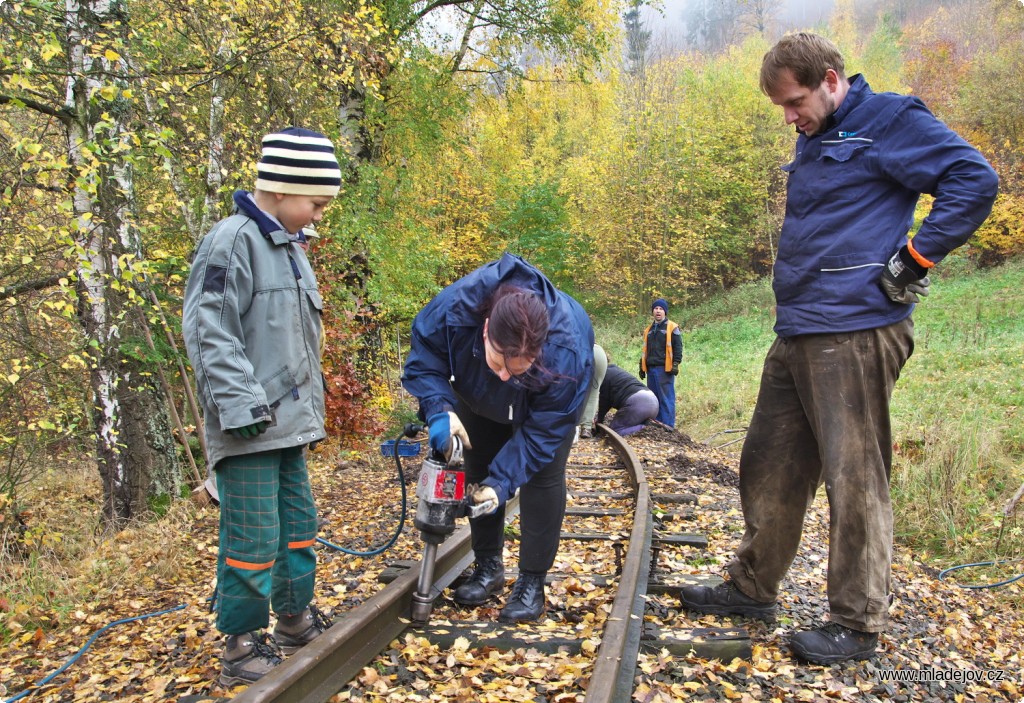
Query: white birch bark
{"points": [[126, 411]]}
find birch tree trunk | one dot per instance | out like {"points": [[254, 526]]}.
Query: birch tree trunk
{"points": [[134, 445], [215, 159]]}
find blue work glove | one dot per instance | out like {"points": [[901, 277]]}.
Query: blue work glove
{"points": [[903, 279], [441, 427], [250, 431]]}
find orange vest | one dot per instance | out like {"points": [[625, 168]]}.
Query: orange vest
{"points": [[670, 327]]}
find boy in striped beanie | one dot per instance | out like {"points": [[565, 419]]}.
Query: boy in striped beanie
{"points": [[296, 177], [252, 328]]}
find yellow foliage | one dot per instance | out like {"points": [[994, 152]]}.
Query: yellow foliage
{"points": [[1001, 235]]}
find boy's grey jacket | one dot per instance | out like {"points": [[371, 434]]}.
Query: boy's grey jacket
{"points": [[251, 323]]}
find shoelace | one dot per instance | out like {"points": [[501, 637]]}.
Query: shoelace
{"points": [[727, 589], [320, 620], [833, 629], [519, 588], [264, 646]]}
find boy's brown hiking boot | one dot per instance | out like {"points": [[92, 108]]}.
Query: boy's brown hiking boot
{"points": [[247, 658], [296, 631]]}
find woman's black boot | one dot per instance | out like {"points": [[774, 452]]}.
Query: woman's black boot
{"points": [[526, 602], [487, 579]]}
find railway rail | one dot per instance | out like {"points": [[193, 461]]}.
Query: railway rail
{"points": [[636, 522]]}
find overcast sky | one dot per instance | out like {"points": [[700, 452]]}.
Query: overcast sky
{"points": [[668, 26]]}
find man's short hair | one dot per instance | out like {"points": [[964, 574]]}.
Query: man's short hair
{"points": [[808, 56]]}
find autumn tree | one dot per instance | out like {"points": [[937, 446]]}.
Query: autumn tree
{"points": [[712, 25], [129, 125], [424, 210], [990, 111], [77, 82], [638, 41], [685, 194]]}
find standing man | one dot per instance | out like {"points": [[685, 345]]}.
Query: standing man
{"points": [[659, 361], [251, 324], [846, 281]]}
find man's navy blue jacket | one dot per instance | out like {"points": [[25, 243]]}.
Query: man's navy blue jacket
{"points": [[851, 196], [447, 362]]}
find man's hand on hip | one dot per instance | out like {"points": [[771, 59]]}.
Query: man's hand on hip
{"points": [[903, 279]]}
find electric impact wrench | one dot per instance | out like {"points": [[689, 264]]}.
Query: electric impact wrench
{"points": [[442, 498]]}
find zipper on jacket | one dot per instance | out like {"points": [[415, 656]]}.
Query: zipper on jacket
{"points": [[303, 307]]}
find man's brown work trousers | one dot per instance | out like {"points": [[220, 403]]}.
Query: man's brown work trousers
{"points": [[822, 415]]}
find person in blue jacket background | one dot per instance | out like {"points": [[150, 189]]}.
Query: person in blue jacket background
{"points": [[846, 280], [503, 359]]}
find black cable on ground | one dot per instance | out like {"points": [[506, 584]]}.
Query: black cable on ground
{"points": [[951, 569], [411, 430]]}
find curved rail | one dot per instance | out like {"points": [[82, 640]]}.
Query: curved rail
{"points": [[612, 679]]}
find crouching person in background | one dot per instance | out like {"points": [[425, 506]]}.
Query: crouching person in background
{"points": [[633, 402], [503, 360], [251, 324]]}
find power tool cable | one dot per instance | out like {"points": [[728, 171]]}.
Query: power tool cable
{"points": [[410, 430]]}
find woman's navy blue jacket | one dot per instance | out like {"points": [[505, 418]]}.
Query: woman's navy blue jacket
{"points": [[446, 363]]}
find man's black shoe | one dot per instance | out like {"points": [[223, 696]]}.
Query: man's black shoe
{"points": [[725, 599], [833, 643], [487, 579]]}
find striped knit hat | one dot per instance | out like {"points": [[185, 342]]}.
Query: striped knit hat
{"points": [[298, 162]]}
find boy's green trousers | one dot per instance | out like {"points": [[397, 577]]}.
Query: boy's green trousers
{"points": [[267, 531]]}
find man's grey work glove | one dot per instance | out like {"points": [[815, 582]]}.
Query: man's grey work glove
{"points": [[903, 279], [250, 431], [441, 427], [485, 494]]}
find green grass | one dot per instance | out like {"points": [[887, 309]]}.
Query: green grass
{"points": [[957, 425], [957, 417]]}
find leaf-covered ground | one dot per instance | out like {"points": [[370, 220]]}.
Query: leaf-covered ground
{"points": [[937, 628], [946, 632]]}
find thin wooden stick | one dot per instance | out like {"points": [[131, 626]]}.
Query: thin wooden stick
{"points": [[1012, 505], [170, 406], [193, 406]]}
